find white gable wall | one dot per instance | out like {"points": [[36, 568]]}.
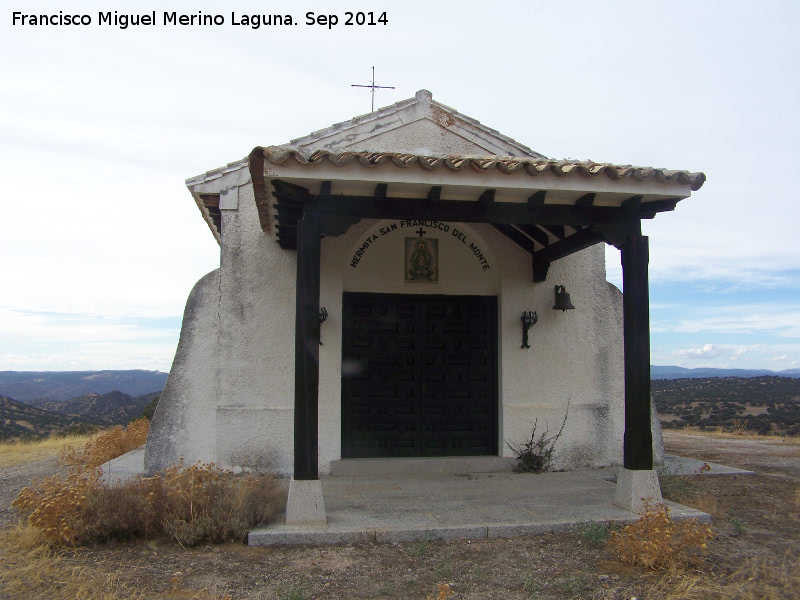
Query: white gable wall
{"points": [[417, 126]]}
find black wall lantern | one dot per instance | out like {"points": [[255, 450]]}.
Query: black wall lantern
{"points": [[323, 315], [562, 300], [529, 319]]}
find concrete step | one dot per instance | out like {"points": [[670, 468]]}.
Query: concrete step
{"points": [[371, 467]]}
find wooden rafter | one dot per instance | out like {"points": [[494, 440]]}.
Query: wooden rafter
{"points": [[532, 231], [211, 204], [516, 236], [435, 193], [530, 225], [486, 199], [556, 231]]}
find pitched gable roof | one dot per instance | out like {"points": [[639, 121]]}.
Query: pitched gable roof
{"points": [[419, 126]]}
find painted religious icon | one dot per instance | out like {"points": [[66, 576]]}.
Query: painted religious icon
{"points": [[422, 260]]}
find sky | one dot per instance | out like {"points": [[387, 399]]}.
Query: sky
{"points": [[100, 242]]}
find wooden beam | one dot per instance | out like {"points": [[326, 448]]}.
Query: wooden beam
{"points": [[557, 230], [536, 200], [585, 201], [380, 192], [649, 210], [573, 243], [306, 349], [540, 271], [325, 188], [516, 236], [435, 193], [486, 199], [210, 200], [632, 204], [537, 234], [638, 439], [290, 191], [511, 213]]}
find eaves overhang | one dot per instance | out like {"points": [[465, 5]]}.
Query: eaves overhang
{"points": [[549, 208], [206, 189], [462, 178]]}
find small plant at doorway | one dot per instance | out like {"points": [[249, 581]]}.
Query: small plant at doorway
{"points": [[536, 455]]}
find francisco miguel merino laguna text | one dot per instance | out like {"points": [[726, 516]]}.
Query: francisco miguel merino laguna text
{"points": [[123, 21]]}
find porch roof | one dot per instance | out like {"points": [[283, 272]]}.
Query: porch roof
{"points": [[550, 208]]}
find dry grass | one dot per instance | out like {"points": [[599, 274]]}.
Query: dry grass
{"points": [[759, 579], [707, 504], [744, 435], [656, 541], [17, 453], [33, 570]]}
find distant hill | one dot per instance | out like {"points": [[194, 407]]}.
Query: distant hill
{"points": [[658, 372], [19, 420], [759, 404], [114, 408], [25, 386]]}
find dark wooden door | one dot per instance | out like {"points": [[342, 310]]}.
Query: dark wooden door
{"points": [[418, 375]]}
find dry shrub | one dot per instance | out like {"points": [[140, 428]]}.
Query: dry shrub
{"points": [[202, 502], [56, 505], [656, 541], [108, 445], [190, 505]]}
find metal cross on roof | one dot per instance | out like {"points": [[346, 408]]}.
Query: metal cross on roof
{"points": [[374, 87]]}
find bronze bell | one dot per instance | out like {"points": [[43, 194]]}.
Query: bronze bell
{"points": [[562, 300]]}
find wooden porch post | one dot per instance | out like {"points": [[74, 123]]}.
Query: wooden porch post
{"points": [[306, 349], [638, 443]]}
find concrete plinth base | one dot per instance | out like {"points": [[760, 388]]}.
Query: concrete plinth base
{"points": [[634, 487], [305, 506]]}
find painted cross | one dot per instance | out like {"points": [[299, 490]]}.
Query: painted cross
{"points": [[374, 87], [420, 231]]}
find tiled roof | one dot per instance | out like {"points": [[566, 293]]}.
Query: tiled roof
{"points": [[435, 111], [532, 166]]}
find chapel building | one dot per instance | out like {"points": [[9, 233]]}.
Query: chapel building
{"points": [[386, 290]]}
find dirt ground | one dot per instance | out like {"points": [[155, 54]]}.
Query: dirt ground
{"points": [[754, 553]]}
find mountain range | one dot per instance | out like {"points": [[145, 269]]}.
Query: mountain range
{"points": [[25, 386], [670, 372], [20, 420]]}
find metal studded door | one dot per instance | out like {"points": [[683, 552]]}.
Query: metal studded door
{"points": [[418, 375]]}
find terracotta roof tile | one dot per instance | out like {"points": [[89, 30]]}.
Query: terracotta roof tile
{"points": [[505, 164]]}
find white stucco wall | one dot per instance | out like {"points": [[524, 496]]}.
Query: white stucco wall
{"points": [[229, 398], [183, 422], [534, 383]]}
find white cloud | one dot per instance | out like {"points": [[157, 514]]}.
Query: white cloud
{"points": [[707, 351], [781, 320], [744, 356]]}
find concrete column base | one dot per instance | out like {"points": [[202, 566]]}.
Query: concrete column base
{"points": [[634, 487], [305, 506]]}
